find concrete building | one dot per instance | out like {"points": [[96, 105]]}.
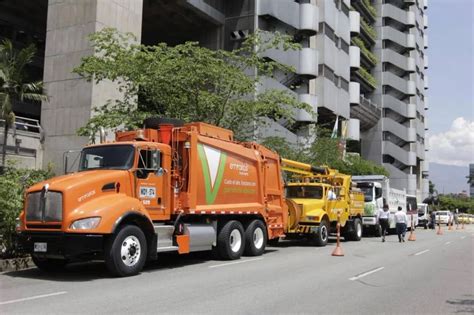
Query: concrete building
{"points": [[362, 61], [398, 139]]}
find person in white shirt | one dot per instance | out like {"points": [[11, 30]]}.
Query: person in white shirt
{"points": [[401, 220], [382, 218]]}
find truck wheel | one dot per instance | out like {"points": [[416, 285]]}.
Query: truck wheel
{"points": [[49, 264], [321, 237], [230, 241], [255, 238], [356, 233], [125, 252]]}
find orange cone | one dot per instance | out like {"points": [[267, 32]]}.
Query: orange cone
{"points": [[412, 236], [338, 250], [440, 232]]}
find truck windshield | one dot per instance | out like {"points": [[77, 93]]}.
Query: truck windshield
{"points": [[368, 196], [312, 192], [118, 157]]}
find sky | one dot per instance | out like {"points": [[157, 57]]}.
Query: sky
{"points": [[450, 74]]}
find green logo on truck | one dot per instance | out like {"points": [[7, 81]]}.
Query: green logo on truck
{"points": [[213, 165]]}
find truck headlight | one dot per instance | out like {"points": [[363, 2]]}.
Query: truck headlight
{"points": [[85, 224]]}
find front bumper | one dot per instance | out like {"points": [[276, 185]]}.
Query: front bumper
{"points": [[369, 221], [63, 245]]}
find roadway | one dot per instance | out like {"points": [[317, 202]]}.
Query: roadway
{"points": [[433, 275]]}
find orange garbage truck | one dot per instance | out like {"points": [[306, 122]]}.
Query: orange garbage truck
{"points": [[166, 187]]}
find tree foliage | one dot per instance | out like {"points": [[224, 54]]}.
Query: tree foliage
{"points": [[187, 82], [13, 183], [325, 150], [453, 202], [14, 85]]}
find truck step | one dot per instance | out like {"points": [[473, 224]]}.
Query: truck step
{"points": [[167, 249], [165, 237]]}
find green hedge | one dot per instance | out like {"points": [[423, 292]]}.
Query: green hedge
{"points": [[367, 76], [13, 183], [370, 55], [368, 29]]}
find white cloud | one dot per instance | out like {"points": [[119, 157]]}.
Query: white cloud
{"points": [[455, 146]]}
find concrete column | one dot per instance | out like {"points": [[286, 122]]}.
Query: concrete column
{"points": [[72, 98]]}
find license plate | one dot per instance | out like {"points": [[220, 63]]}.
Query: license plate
{"points": [[41, 247]]}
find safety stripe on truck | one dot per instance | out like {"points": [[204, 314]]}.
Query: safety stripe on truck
{"points": [[222, 212]]}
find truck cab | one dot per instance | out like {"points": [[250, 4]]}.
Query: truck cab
{"points": [[322, 199]]}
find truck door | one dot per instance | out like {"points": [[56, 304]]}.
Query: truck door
{"points": [[149, 181]]}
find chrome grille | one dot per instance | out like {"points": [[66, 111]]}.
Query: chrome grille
{"points": [[49, 210]]}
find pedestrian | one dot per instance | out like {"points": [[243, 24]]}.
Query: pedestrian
{"points": [[383, 216], [433, 220], [401, 220]]}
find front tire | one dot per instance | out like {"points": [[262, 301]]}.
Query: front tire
{"points": [[322, 236], [126, 251], [255, 238], [49, 264], [231, 241]]}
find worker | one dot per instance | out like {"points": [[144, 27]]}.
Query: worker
{"points": [[383, 216], [401, 220], [433, 220]]}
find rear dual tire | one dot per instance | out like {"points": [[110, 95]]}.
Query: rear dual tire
{"points": [[233, 240]]}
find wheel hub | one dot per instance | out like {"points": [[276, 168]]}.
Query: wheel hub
{"points": [[235, 240], [130, 251], [258, 238]]}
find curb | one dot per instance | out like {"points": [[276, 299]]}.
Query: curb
{"points": [[15, 264]]}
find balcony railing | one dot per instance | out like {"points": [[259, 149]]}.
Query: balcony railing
{"points": [[24, 124]]}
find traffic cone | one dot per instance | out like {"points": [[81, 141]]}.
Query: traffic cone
{"points": [[338, 250], [412, 236], [440, 232]]}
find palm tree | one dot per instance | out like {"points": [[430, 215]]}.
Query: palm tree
{"points": [[13, 86]]}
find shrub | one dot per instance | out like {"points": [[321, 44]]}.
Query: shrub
{"points": [[13, 183]]}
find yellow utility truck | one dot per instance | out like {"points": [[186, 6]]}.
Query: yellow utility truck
{"points": [[316, 196]]}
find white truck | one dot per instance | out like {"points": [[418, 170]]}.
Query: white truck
{"points": [[423, 215], [377, 192]]}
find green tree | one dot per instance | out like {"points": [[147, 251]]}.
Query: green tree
{"points": [[187, 82], [325, 150], [14, 85], [13, 183]]}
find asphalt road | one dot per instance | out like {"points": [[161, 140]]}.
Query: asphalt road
{"points": [[433, 275]]}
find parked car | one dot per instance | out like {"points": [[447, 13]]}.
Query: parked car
{"points": [[443, 217]]}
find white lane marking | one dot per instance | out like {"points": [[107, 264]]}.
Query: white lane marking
{"points": [[463, 237], [33, 298], [235, 263], [366, 273], [447, 243], [422, 252]]}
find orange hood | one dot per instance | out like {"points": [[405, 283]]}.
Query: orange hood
{"points": [[84, 181]]}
